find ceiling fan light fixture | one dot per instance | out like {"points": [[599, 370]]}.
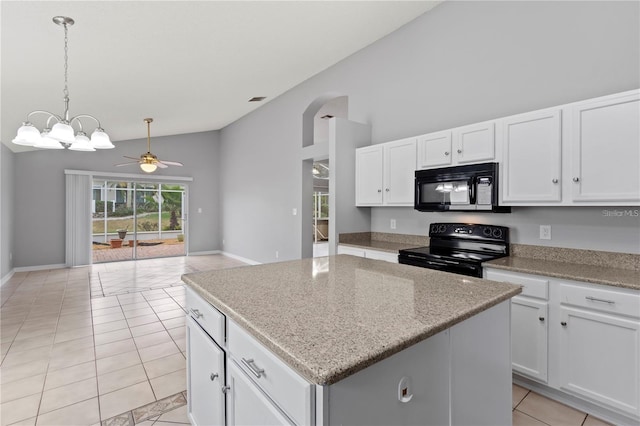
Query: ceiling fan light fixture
{"points": [[148, 167], [81, 143], [45, 142], [63, 131], [27, 135], [100, 140]]}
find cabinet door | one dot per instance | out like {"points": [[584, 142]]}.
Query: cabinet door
{"points": [[475, 143], [205, 377], [529, 331], [605, 142], [599, 358], [369, 176], [532, 158], [247, 405], [434, 150], [399, 172]]}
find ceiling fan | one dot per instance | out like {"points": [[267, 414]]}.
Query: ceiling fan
{"points": [[149, 162]]}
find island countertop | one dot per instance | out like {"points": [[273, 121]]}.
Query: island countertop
{"points": [[333, 316]]}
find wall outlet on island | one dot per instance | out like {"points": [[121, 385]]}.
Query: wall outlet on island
{"points": [[277, 254], [545, 232], [393, 224]]}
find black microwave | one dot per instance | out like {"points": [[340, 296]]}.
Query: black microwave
{"points": [[460, 188]]}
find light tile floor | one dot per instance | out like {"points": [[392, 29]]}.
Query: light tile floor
{"points": [[106, 345], [100, 344]]}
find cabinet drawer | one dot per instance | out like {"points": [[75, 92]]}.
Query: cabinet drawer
{"points": [[206, 315], [285, 387], [531, 286], [611, 301]]}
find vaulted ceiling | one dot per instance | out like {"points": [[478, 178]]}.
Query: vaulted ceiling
{"points": [[191, 65]]}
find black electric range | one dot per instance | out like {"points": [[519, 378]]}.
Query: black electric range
{"points": [[459, 248]]}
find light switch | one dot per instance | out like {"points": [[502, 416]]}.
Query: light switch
{"points": [[294, 211], [199, 209]]}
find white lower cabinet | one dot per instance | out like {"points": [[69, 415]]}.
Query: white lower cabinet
{"points": [[247, 404], [205, 377], [529, 337], [458, 376], [529, 323], [368, 253], [587, 347], [598, 358]]}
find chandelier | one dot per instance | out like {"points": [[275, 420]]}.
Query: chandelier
{"points": [[63, 134]]}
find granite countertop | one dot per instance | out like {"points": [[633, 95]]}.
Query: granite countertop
{"points": [[333, 316], [391, 243], [597, 274], [381, 245]]}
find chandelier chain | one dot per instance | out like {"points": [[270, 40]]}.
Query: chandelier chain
{"points": [[66, 59]]}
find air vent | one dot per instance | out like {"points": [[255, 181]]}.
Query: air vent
{"points": [[257, 99]]}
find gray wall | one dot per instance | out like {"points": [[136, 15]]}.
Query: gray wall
{"points": [[7, 206], [461, 63], [39, 187]]}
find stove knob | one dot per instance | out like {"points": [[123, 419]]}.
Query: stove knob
{"points": [[442, 228], [497, 233], [486, 232], [434, 229]]}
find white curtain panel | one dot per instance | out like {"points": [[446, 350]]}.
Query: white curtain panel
{"points": [[78, 219]]}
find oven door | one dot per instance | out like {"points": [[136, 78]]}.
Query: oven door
{"points": [[462, 268], [441, 192]]}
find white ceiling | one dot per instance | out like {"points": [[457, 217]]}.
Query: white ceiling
{"points": [[191, 65]]}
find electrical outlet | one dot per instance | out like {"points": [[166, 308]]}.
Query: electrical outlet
{"points": [[545, 232], [294, 211], [393, 224], [277, 254], [10, 256]]}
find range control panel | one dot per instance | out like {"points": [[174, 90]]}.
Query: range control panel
{"points": [[469, 231]]}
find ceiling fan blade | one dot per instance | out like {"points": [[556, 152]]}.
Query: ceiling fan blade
{"points": [[161, 165], [171, 163], [132, 158], [126, 164]]}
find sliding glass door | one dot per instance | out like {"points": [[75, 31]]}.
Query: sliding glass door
{"points": [[137, 220]]}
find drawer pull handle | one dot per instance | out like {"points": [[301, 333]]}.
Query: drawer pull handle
{"points": [[563, 323], [213, 376], [595, 299], [251, 365], [225, 389], [541, 319], [196, 312]]}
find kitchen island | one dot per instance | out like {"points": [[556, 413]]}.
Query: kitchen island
{"points": [[346, 340]]}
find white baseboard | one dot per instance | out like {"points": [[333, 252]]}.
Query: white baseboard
{"points": [[241, 259], [7, 277], [204, 253], [40, 267]]}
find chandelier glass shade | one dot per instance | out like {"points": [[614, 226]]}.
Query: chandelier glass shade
{"points": [[63, 134]]}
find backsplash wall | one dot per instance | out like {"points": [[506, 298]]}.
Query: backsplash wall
{"points": [[592, 228]]}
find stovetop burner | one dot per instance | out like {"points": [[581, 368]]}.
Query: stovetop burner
{"points": [[459, 248]]}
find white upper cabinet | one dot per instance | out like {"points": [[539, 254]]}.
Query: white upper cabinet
{"points": [[434, 150], [463, 145], [532, 154], [385, 174], [474, 143], [369, 176], [605, 149], [399, 172]]}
